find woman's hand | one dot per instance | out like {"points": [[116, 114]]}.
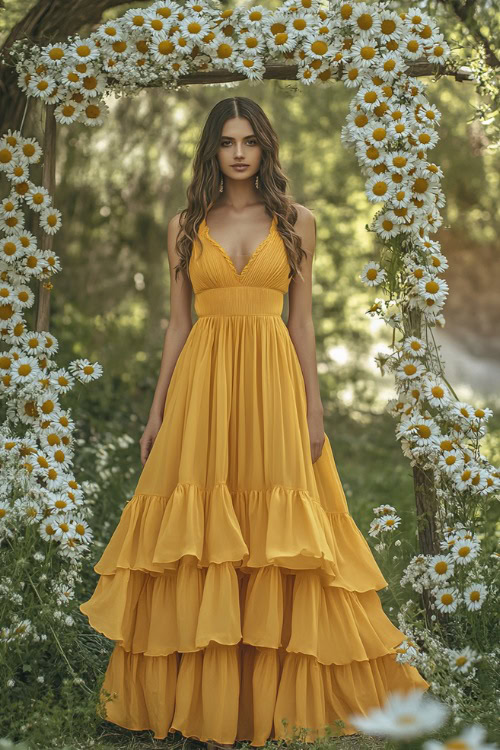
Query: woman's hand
{"points": [[316, 434], [149, 436]]}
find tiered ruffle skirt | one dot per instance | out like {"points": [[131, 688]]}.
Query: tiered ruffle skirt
{"points": [[239, 614]]}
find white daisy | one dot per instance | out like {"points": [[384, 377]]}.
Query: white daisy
{"points": [[474, 596], [372, 274], [54, 54], [378, 136], [380, 187], [61, 380], [446, 444], [24, 370], [430, 306], [439, 52], [451, 462], [222, 50], [93, 113], [436, 392], [432, 287], [463, 481], [303, 20], [441, 567], [109, 31], [471, 738], [17, 170], [446, 599], [5, 510], [37, 197], [250, 44], [463, 660], [415, 393], [7, 154], [412, 45], [414, 346], [383, 509], [408, 370], [365, 18], [389, 65], [250, 66], [492, 483], [403, 716], [393, 316], [31, 149], [41, 86], [50, 219], [437, 261], [33, 342], [483, 414], [463, 410], [9, 205], [11, 248], [464, 550], [83, 50], [82, 530], [47, 528], [479, 479], [406, 651], [389, 522], [253, 16], [395, 407], [60, 457], [364, 50], [84, 370], [375, 527], [400, 161], [307, 75], [67, 111]]}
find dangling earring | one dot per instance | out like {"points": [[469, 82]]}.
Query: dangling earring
{"points": [[256, 180], [221, 187]]}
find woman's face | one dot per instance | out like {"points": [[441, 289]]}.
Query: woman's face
{"points": [[238, 145]]}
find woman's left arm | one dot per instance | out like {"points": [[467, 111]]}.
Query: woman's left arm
{"points": [[301, 328]]}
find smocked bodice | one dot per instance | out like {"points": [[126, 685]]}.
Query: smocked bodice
{"points": [[219, 288]]}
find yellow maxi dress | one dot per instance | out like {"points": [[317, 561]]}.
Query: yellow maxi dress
{"points": [[236, 585]]}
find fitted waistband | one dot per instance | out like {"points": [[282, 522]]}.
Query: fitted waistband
{"points": [[239, 300]]}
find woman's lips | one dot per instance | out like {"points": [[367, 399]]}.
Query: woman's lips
{"points": [[239, 167]]}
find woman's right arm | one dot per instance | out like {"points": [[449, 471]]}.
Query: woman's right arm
{"points": [[179, 326]]}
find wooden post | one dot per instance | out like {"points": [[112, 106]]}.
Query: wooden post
{"points": [[423, 486], [44, 239]]}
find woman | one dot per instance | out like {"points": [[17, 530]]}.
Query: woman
{"points": [[241, 595]]}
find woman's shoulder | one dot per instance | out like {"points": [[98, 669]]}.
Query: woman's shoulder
{"points": [[306, 220], [174, 223]]}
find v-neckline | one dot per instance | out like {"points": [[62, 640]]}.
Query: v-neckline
{"points": [[228, 257]]}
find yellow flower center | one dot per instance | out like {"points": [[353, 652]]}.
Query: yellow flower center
{"points": [[432, 287], [441, 567], [437, 391]]}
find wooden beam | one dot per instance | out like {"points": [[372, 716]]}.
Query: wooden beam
{"points": [[285, 72]]}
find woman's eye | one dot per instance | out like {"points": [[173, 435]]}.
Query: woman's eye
{"points": [[250, 142]]}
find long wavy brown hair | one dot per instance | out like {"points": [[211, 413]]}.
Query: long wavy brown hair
{"points": [[203, 190]]}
